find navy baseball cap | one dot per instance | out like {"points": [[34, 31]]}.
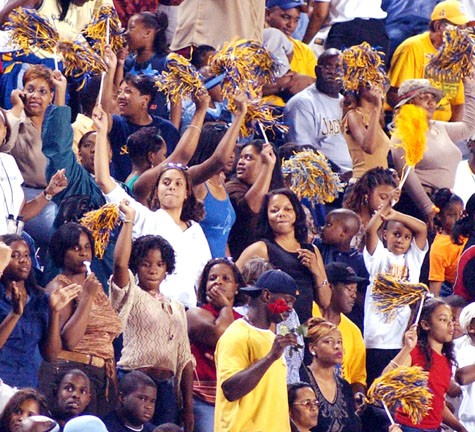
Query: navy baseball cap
{"points": [[341, 272], [275, 281], [285, 4]]}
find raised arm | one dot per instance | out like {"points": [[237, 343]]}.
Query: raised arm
{"points": [[256, 192], [403, 358], [317, 19], [101, 155], [123, 247], [108, 85], [13, 4], [183, 152], [461, 130], [371, 233], [418, 228], [11, 320], [202, 172], [366, 136]]}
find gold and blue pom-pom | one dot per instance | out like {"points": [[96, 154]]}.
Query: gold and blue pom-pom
{"points": [[405, 387], [101, 222], [104, 29], [31, 30], [180, 80], [362, 66], [311, 177], [454, 59], [390, 293], [79, 60]]}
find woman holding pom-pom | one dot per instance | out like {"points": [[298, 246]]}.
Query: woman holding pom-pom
{"points": [[439, 161]]}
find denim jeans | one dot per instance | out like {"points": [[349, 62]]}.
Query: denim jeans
{"points": [[204, 415], [412, 429]]}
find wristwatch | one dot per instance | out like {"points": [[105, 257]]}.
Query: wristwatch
{"points": [[48, 197]]}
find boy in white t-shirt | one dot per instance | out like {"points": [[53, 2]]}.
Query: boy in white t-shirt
{"points": [[406, 246]]}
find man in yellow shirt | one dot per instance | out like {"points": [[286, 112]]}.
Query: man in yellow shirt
{"points": [[251, 390], [343, 282], [284, 15], [411, 57]]}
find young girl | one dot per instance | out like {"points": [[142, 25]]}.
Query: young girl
{"points": [[444, 254], [217, 290], [155, 332], [430, 346], [24, 403], [375, 187]]}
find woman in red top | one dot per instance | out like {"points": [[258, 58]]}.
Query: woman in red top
{"points": [[217, 289], [432, 349]]}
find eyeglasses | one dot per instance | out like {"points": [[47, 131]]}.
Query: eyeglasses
{"points": [[308, 404], [29, 90]]}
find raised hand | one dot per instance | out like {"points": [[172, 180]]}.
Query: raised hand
{"points": [[99, 118], [17, 98], [129, 212], [202, 100], [241, 101], [91, 286], [268, 154], [61, 297], [57, 183], [410, 337], [280, 343], [5, 256], [59, 80], [18, 299]]}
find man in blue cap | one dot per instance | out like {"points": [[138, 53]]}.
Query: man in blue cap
{"points": [[251, 391], [284, 15]]}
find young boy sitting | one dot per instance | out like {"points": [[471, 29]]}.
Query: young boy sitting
{"points": [[340, 227], [136, 404], [406, 246]]}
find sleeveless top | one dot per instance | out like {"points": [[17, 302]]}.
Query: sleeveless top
{"points": [[220, 217], [290, 263], [363, 161], [204, 383], [103, 325]]}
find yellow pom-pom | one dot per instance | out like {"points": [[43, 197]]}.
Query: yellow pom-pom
{"points": [[411, 126]]}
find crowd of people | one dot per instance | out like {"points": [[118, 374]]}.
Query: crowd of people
{"points": [[222, 300]]}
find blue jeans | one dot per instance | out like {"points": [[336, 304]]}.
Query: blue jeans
{"points": [[412, 429], [204, 415]]}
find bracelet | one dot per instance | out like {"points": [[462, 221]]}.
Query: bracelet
{"points": [[393, 363], [47, 196], [194, 126], [128, 221], [324, 282]]}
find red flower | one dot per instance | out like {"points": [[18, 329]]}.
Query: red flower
{"points": [[278, 307]]}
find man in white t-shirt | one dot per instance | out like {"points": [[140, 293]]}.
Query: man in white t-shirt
{"points": [[314, 114]]}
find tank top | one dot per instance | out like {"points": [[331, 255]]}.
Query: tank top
{"points": [[217, 223], [290, 263]]}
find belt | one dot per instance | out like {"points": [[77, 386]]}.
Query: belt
{"points": [[157, 373], [88, 359]]}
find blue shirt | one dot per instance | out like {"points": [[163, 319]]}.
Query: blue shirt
{"points": [[18, 366], [122, 129]]}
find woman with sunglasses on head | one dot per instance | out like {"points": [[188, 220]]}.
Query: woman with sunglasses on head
{"points": [[173, 213], [439, 164]]}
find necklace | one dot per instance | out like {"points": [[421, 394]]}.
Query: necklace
{"points": [[219, 185], [135, 429]]}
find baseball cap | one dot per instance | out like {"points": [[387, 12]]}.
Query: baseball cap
{"points": [[341, 272], [275, 281], [86, 423], [413, 87], [285, 4], [450, 10]]}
